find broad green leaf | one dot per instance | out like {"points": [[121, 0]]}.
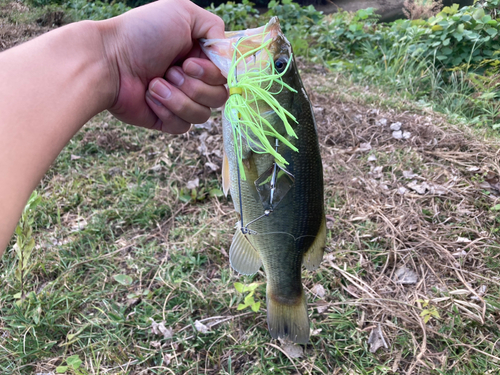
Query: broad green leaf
{"points": [[241, 306], [249, 300], [123, 279], [61, 369], [252, 286], [215, 193], [437, 28], [491, 31], [256, 307], [239, 287], [478, 14], [497, 206], [74, 361], [446, 51], [486, 19]]}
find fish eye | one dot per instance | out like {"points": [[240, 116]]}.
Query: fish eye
{"points": [[280, 64]]}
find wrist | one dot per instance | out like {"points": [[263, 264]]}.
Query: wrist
{"points": [[106, 31]]}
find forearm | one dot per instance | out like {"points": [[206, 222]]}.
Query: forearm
{"points": [[49, 88]]}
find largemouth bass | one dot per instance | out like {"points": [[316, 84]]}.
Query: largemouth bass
{"points": [[278, 194]]}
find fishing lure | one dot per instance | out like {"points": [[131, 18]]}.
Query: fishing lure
{"points": [[248, 87]]}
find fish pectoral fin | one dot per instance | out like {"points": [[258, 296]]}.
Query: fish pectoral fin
{"points": [[243, 256], [288, 319], [226, 177], [314, 255]]}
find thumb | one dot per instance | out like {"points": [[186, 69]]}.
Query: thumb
{"points": [[205, 24]]}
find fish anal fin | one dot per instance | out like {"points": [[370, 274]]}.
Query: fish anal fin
{"points": [[314, 255], [226, 177], [243, 256], [288, 319]]}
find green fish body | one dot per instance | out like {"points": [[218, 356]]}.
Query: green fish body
{"points": [[286, 230]]}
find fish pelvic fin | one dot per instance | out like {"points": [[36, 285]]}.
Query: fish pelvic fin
{"points": [[243, 256], [314, 255], [288, 319], [226, 177]]}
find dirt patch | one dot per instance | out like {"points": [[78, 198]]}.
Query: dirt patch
{"points": [[13, 32], [408, 199]]}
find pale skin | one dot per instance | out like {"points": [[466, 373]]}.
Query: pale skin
{"points": [[52, 85]]}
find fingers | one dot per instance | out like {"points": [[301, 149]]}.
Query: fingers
{"points": [[203, 69], [174, 108], [166, 121], [186, 95]]}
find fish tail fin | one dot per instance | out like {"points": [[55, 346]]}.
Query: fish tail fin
{"points": [[288, 320]]}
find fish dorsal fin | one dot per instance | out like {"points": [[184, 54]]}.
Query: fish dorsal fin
{"points": [[243, 256], [226, 177], [314, 255]]}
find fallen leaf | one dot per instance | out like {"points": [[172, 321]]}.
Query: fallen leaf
{"points": [[364, 147], [459, 254], [473, 169], [155, 344], [395, 126], [409, 175], [463, 239], [200, 327], [193, 184], [214, 167], [321, 308], [402, 190], [293, 350], [419, 188], [160, 329], [398, 134], [318, 290], [372, 158], [156, 168], [75, 157], [376, 172], [316, 332], [404, 275], [381, 122], [481, 291], [167, 358], [376, 339]]}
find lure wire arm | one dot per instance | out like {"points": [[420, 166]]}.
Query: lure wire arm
{"points": [[274, 177]]}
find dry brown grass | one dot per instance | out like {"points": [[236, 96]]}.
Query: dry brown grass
{"points": [[420, 9], [421, 204]]}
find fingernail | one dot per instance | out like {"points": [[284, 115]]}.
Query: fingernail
{"points": [[148, 94], [194, 70], [160, 89], [175, 77]]}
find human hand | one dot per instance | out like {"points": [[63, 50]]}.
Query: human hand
{"points": [[158, 41]]}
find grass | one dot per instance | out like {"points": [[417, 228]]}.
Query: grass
{"points": [[112, 205]]}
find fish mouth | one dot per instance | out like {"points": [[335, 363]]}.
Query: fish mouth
{"points": [[222, 51]]}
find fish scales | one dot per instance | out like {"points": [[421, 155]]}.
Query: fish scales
{"points": [[294, 232]]}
